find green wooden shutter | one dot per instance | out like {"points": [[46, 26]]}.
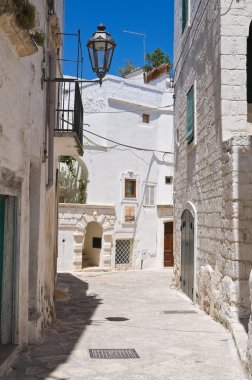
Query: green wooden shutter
{"points": [[184, 14], [190, 116]]}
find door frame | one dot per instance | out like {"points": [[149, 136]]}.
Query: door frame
{"points": [[164, 223], [191, 207], [160, 240]]}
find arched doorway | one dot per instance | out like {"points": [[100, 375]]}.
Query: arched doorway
{"points": [[92, 244], [187, 253]]}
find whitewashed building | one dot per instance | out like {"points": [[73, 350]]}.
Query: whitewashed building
{"points": [[127, 221], [213, 160], [29, 147]]}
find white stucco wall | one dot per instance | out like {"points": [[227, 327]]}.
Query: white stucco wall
{"points": [[23, 174], [114, 111]]}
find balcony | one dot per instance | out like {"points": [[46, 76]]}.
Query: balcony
{"points": [[68, 131]]}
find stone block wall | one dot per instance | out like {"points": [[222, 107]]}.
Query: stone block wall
{"points": [[214, 172], [235, 22]]}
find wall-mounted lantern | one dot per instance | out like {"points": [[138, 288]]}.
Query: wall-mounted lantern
{"points": [[101, 48]]}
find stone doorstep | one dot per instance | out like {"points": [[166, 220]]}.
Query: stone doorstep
{"points": [[95, 269]]}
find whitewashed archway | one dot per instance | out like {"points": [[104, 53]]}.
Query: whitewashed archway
{"points": [[79, 237]]}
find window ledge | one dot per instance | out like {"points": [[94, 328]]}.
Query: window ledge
{"points": [[130, 200], [185, 34], [146, 125], [129, 224], [191, 147]]}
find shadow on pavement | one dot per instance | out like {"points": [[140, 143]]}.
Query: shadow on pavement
{"points": [[72, 317]]}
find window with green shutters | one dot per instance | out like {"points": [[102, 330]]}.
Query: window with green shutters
{"points": [[190, 116], [184, 14]]}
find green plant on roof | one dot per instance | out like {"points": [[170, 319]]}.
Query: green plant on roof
{"points": [[126, 69], [156, 59]]}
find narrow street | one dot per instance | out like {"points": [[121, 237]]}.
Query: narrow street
{"points": [[173, 338]]}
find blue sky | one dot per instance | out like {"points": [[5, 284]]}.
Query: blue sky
{"points": [[155, 20]]}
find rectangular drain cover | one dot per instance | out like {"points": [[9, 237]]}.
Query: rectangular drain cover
{"points": [[128, 353], [180, 312]]}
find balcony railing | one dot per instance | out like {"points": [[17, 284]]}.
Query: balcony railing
{"points": [[70, 109]]}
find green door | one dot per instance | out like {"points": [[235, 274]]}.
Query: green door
{"points": [[9, 241], [187, 253], [2, 217]]}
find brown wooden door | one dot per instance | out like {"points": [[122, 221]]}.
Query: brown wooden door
{"points": [[168, 244]]}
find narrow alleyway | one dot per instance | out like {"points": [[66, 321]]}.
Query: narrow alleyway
{"points": [[173, 338]]}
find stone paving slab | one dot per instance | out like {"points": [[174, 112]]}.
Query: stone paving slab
{"points": [[174, 339]]}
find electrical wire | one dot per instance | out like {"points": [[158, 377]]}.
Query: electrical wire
{"points": [[130, 111], [127, 146], [223, 14], [117, 143]]}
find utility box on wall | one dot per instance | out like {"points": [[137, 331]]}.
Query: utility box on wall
{"points": [[144, 254]]}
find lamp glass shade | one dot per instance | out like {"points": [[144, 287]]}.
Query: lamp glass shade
{"points": [[101, 48]]}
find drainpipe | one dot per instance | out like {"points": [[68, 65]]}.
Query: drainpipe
{"points": [[51, 119]]}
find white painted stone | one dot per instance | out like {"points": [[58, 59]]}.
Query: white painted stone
{"points": [[23, 172], [114, 111], [215, 174]]}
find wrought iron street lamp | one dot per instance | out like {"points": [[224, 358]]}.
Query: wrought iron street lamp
{"points": [[101, 48], [70, 114]]}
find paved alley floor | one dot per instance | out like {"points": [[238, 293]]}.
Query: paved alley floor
{"points": [[173, 338]]}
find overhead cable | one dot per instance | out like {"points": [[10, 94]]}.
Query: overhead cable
{"points": [[127, 146], [223, 14], [130, 111]]}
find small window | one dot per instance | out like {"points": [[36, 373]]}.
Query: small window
{"points": [[130, 188], [184, 14], [168, 180], [149, 195], [123, 253], [97, 242], [146, 118], [190, 116]]}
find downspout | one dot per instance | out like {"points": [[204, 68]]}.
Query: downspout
{"points": [[51, 118]]}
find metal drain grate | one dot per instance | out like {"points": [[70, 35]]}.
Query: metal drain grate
{"points": [[180, 312], [128, 353], [117, 319]]}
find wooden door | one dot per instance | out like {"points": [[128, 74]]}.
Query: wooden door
{"points": [[187, 253], [9, 243], [168, 244]]}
